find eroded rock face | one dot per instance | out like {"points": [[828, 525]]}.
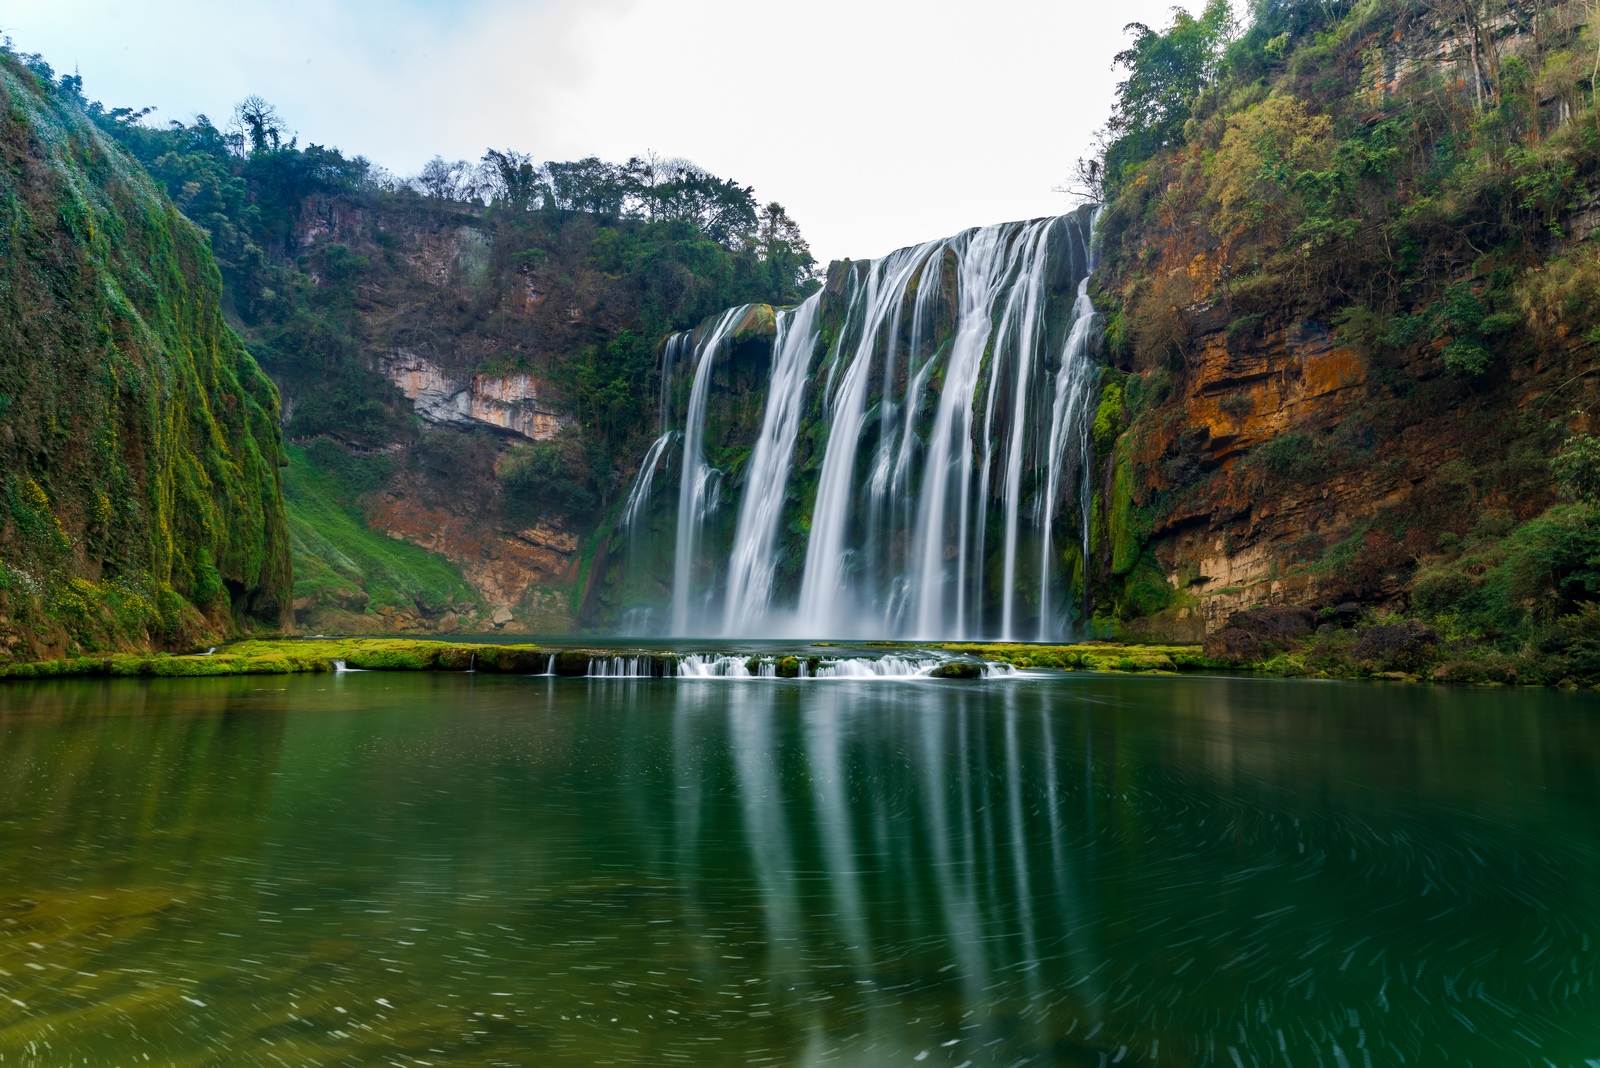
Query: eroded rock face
{"points": [[509, 403]]}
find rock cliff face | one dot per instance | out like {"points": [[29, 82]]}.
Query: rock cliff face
{"points": [[1339, 351], [493, 343], [139, 442], [507, 402], [443, 295]]}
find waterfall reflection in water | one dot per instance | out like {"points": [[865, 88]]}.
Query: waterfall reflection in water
{"points": [[377, 867]]}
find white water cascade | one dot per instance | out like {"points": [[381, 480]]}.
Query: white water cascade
{"points": [[750, 567], [922, 468], [695, 476]]}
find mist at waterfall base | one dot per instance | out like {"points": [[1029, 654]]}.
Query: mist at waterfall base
{"points": [[908, 455]]}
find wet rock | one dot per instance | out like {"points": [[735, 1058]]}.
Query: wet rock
{"points": [[573, 663], [958, 669], [789, 667], [1344, 615], [1233, 645]]}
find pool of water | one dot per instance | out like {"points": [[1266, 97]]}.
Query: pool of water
{"points": [[1058, 870]]}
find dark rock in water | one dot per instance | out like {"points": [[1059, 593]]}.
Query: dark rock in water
{"points": [[1407, 646], [1275, 624], [789, 667], [958, 669], [1233, 645]]}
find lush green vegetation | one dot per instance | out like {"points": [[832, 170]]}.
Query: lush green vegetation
{"points": [[342, 568], [139, 445]]}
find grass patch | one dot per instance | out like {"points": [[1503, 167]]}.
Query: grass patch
{"points": [[339, 562]]}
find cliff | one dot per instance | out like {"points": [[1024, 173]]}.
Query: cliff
{"points": [[1351, 329], [139, 443], [466, 360]]}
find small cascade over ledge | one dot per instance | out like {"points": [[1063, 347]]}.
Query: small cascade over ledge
{"points": [[906, 454]]}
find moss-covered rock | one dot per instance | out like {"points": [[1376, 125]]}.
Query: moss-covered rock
{"points": [[139, 441], [958, 669]]}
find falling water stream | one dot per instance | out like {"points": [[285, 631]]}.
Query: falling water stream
{"points": [[922, 450]]}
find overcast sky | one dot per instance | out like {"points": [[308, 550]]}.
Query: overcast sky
{"points": [[877, 123]]}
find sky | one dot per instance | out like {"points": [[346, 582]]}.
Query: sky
{"points": [[877, 123]]}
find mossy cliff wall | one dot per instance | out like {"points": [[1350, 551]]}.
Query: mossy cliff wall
{"points": [[139, 443]]}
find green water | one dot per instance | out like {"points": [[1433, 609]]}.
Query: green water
{"points": [[452, 870]]}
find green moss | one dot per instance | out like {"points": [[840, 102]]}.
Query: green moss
{"points": [[141, 441], [1093, 656], [1107, 418], [1128, 526], [341, 563]]}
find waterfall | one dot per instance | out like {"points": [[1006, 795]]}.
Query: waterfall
{"points": [[639, 493], [695, 475], [1020, 336], [1069, 419], [952, 435], [821, 599], [918, 464], [750, 566]]}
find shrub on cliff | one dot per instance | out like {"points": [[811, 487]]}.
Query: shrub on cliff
{"points": [[541, 478]]}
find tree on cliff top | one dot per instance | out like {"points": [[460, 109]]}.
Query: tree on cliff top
{"points": [[1166, 71]]}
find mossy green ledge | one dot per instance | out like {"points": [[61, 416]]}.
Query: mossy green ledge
{"points": [[293, 656]]}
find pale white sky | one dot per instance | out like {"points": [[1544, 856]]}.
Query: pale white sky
{"points": [[878, 123]]}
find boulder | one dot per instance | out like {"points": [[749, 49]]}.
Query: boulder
{"points": [[958, 669], [1232, 645], [1277, 624], [1410, 646]]}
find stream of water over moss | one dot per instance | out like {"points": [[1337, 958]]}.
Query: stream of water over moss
{"points": [[377, 868]]}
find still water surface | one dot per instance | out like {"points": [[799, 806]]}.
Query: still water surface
{"points": [[440, 869]]}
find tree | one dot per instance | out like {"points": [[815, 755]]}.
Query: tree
{"points": [[446, 181], [780, 247], [1577, 468], [260, 121], [513, 180], [1166, 72]]}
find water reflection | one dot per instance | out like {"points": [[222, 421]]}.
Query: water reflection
{"points": [[381, 869]]}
